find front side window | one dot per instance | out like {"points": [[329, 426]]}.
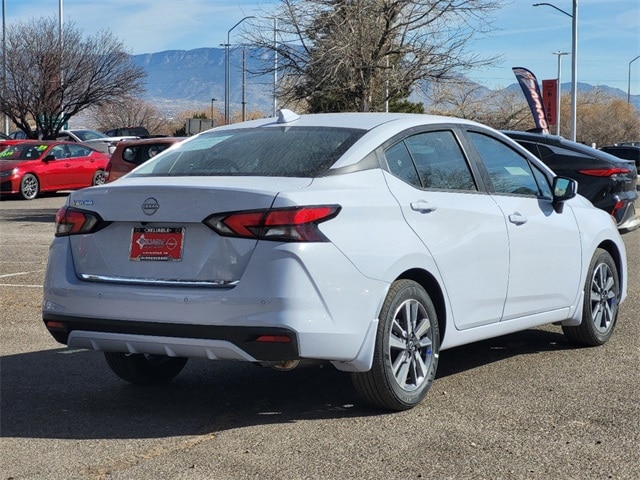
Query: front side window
{"points": [[509, 171], [262, 151], [58, 152]]}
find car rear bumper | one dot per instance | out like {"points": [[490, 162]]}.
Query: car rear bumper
{"points": [[175, 340], [630, 219], [305, 302]]}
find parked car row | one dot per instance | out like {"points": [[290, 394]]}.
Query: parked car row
{"points": [[368, 241], [30, 167], [608, 181], [93, 138]]}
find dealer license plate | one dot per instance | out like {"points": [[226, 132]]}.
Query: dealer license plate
{"points": [[156, 244]]}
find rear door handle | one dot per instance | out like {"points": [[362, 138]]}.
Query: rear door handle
{"points": [[423, 206]]}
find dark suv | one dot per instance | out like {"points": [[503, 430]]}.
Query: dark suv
{"points": [[607, 181], [140, 132], [628, 151]]}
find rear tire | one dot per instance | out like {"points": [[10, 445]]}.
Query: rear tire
{"points": [[600, 307], [98, 178], [406, 350], [144, 369], [29, 187]]}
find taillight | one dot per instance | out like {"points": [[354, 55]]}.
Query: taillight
{"points": [[295, 224], [619, 204], [604, 172], [72, 221]]}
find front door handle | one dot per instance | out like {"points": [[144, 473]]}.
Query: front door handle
{"points": [[423, 206], [517, 219]]}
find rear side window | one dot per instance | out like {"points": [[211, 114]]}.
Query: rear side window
{"points": [[139, 154], [270, 151], [431, 160]]}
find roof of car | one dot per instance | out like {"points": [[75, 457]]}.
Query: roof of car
{"points": [[144, 141], [364, 121]]}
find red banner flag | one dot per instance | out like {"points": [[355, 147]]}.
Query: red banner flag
{"points": [[550, 100]]}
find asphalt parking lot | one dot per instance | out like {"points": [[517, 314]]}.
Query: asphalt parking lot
{"points": [[524, 406]]}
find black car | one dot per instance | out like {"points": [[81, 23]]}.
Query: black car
{"points": [[140, 132], [607, 181], [628, 151]]}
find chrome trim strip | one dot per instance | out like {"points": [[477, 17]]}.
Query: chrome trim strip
{"points": [[160, 282]]}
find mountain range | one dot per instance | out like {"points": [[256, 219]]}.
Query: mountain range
{"points": [[179, 80]]}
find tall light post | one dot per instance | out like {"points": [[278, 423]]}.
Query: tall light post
{"points": [[574, 61], [629, 84], [559, 54], [275, 66], [4, 65], [226, 71]]}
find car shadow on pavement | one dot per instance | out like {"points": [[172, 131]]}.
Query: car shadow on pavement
{"points": [[43, 215], [68, 394]]}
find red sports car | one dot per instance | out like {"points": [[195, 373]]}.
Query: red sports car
{"points": [[33, 166]]}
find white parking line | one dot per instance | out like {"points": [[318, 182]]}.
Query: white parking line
{"points": [[18, 273], [19, 285]]}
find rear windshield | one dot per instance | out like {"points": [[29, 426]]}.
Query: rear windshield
{"points": [[270, 151]]}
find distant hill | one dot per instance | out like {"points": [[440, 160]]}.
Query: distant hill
{"points": [[179, 80]]}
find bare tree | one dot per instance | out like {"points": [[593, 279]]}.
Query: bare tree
{"points": [[358, 54], [52, 77], [501, 109], [131, 112]]}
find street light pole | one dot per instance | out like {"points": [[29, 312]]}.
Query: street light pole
{"points": [[574, 70], [275, 66], [629, 84], [226, 73], [574, 61], [4, 65], [559, 94]]}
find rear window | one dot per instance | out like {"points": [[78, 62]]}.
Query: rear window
{"points": [[272, 151]]}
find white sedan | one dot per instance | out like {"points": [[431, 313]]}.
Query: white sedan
{"points": [[370, 241]]}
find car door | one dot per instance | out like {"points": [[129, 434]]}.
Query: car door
{"points": [[545, 266], [83, 166], [461, 226], [56, 169]]}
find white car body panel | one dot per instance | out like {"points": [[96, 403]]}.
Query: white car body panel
{"points": [[490, 273]]}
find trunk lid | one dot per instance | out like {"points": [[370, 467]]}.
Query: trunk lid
{"points": [[154, 232]]}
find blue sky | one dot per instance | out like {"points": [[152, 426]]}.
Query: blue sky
{"points": [[525, 36]]}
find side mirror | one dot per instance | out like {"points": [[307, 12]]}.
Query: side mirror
{"points": [[49, 158], [563, 190]]}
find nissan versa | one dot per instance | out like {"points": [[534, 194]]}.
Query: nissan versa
{"points": [[370, 241]]}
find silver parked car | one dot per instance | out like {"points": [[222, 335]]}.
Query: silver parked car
{"points": [[94, 139], [370, 241]]}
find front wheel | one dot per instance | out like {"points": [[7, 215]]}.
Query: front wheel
{"points": [[29, 187], [406, 350], [600, 307], [144, 369]]}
